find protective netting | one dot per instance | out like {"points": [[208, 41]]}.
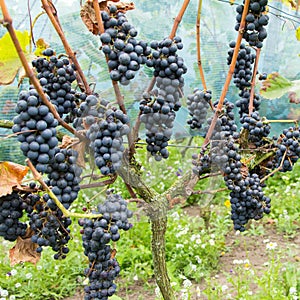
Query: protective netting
{"points": [[154, 21]]}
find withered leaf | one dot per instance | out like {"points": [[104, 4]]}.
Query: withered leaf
{"points": [[88, 16], [11, 175], [24, 251], [80, 147]]}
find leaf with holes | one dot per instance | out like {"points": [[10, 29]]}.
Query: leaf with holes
{"points": [[11, 175], [276, 86]]}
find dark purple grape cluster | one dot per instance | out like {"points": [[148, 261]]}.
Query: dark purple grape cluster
{"points": [[50, 227], [257, 128], [288, 149], [198, 104], [124, 52], [96, 237], [10, 213], [158, 118], [243, 67], [246, 197], [56, 76], [36, 129], [106, 131], [165, 60], [243, 102], [202, 164], [64, 177], [256, 20]]}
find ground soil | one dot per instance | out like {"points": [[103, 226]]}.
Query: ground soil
{"points": [[238, 247]]}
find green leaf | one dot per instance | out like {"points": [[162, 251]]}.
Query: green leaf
{"points": [[275, 86], [298, 33], [9, 59], [114, 297]]}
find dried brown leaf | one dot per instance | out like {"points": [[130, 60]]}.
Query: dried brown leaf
{"points": [[11, 175], [24, 251], [80, 147]]}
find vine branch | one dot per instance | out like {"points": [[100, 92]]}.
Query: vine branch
{"points": [[229, 75], [252, 94], [38, 177], [198, 41]]}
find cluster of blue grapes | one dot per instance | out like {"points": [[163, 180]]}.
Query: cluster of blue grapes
{"points": [[64, 177], [105, 129], [257, 128], [246, 197], [159, 121], [124, 52], [158, 109], [165, 60], [198, 104], [36, 129], [243, 68], [255, 31], [50, 227], [225, 128], [288, 149], [56, 76], [10, 213], [96, 236]]}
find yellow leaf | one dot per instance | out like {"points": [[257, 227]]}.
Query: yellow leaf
{"points": [[298, 33], [290, 3], [9, 59], [41, 45]]}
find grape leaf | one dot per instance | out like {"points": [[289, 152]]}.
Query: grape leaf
{"points": [[24, 250], [11, 174], [9, 59], [275, 86]]}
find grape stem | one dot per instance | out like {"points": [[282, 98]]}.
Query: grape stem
{"points": [[7, 22], [251, 107], [52, 14], [229, 75], [277, 169], [198, 41], [38, 177]]}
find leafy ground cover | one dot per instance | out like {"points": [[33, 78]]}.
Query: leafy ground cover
{"points": [[206, 258]]}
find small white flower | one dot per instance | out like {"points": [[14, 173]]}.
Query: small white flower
{"points": [[2, 298], [173, 283], [179, 246], [12, 297], [266, 241], [181, 276], [271, 246], [203, 246], [187, 283], [238, 261], [198, 241], [135, 278], [39, 267], [18, 284], [193, 267], [28, 275], [211, 242], [295, 297], [199, 260], [4, 293], [293, 290], [13, 272], [224, 288], [175, 216], [250, 293], [212, 236]]}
